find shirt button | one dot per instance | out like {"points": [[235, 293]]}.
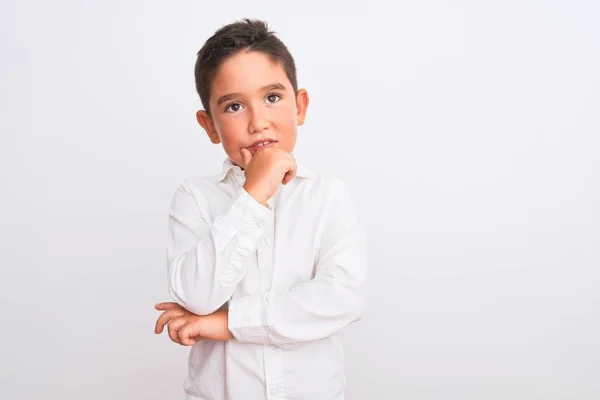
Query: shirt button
{"points": [[266, 241]]}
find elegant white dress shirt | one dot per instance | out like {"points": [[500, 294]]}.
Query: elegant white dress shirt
{"points": [[292, 275]]}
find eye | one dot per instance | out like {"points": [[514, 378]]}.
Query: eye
{"points": [[273, 98], [233, 107]]}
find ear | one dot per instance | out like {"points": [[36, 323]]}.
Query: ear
{"points": [[207, 124], [302, 101]]}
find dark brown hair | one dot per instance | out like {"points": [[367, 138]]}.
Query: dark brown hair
{"points": [[248, 35]]}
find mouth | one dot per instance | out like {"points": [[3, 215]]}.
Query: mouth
{"points": [[262, 145]]}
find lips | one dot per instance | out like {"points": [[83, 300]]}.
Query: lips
{"points": [[262, 144]]}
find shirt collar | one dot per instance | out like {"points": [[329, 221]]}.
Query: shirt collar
{"points": [[229, 166]]}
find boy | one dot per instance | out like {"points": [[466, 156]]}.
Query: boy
{"points": [[266, 260]]}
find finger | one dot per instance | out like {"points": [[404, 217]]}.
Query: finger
{"points": [[158, 327], [290, 174], [184, 336], [173, 334], [162, 320], [287, 178], [246, 157], [168, 315], [174, 328], [166, 305], [165, 317]]}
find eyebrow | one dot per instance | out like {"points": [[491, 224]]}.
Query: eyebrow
{"points": [[273, 86]]}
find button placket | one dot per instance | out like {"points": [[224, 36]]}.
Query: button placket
{"points": [[273, 355], [265, 259], [274, 372]]}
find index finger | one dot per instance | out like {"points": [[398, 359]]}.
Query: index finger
{"points": [[291, 173], [246, 157], [164, 319]]}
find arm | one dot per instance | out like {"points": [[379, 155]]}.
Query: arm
{"points": [[318, 308], [205, 263]]}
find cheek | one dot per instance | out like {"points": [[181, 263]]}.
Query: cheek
{"points": [[287, 128], [287, 118], [231, 132]]}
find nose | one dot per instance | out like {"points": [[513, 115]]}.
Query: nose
{"points": [[258, 121]]}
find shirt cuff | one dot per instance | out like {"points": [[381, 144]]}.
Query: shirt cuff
{"points": [[247, 213], [246, 319]]}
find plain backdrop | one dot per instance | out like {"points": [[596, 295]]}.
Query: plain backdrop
{"points": [[467, 132]]}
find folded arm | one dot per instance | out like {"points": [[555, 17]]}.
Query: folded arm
{"points": [[318, 308], [206, 262]]}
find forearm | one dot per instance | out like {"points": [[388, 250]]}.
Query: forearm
{"points": [[309, 311], [320, 307], [253, 325], [205, 263], [199, 289]]}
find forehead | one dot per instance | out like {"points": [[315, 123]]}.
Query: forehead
{"points": [[247, 72]]}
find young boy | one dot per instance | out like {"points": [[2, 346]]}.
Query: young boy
{"points": [[266, 260]]}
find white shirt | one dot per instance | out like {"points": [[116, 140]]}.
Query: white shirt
{"points": [[292, 276]]}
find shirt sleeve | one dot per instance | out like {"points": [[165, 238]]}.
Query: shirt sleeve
{"points": [[206, 262], [318, 308]]}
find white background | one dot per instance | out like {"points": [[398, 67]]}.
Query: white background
{"points": [[467, 132]]}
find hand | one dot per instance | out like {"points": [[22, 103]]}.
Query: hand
{"points": [[172, 312], [186, 328], [265, 170]]}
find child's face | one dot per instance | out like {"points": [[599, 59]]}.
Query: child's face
{"points": [[252, 99]]}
